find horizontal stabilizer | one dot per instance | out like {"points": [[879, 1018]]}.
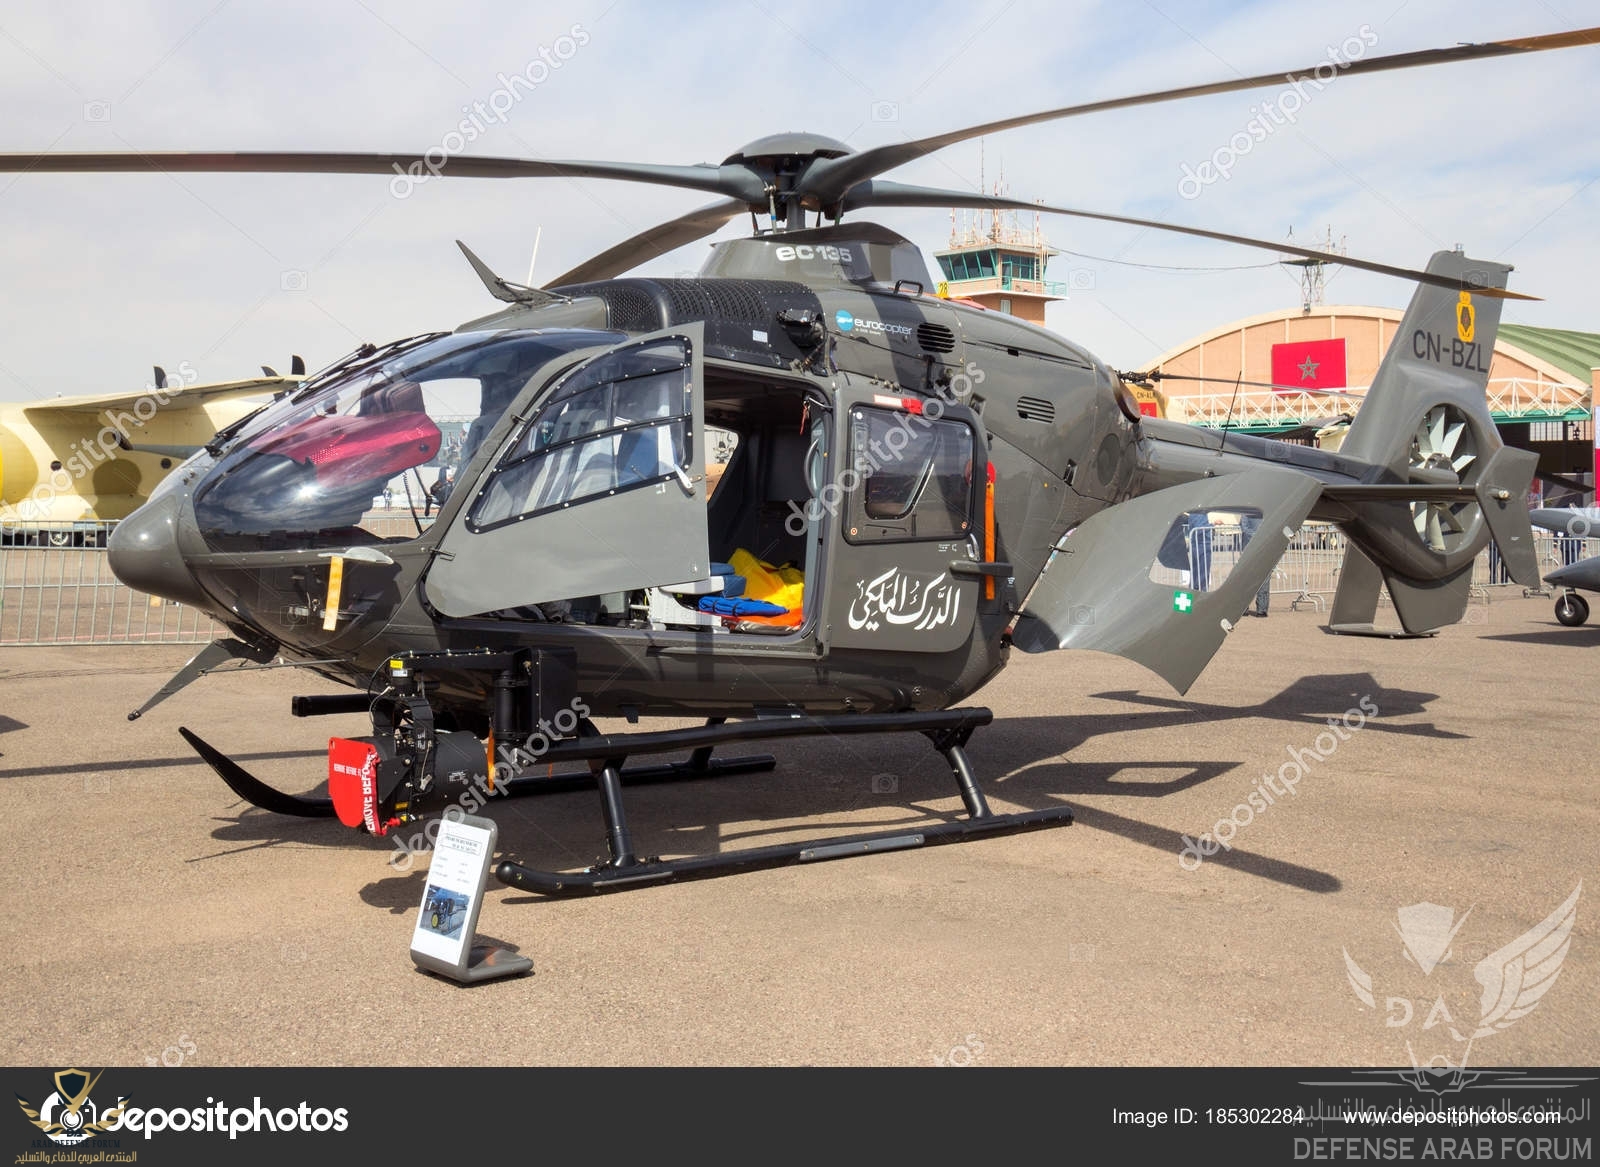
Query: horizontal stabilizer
{"points": [[1098, 591]]}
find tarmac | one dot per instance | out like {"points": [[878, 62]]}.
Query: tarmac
{"points": [[155, 919]]}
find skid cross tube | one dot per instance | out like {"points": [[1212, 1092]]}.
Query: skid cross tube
{"points": [[948, 731]]}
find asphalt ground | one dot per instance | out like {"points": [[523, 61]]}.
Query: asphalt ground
{"points": [[151, 915]]}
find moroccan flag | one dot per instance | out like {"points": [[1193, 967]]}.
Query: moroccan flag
{"points": [[1309, 364]]}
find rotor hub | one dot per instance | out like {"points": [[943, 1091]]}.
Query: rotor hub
{"points": [[797, 145]]}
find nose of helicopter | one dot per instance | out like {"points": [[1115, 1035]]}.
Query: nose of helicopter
{"points": [[144, 554]]}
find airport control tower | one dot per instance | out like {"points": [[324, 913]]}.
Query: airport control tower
{"points": [[994, 261]]}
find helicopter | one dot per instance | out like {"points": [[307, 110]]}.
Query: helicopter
{"points": [[918, 488]]}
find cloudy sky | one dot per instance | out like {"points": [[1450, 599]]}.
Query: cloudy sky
{"points": [[106, 275]]}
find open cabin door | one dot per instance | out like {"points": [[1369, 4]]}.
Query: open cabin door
{"points": [[601, 490]]}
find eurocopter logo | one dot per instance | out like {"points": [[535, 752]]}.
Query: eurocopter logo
{"points": [[847, 321], [69, 1115], [1512, 978]]}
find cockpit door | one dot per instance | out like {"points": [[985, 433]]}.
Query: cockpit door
{"points": [[601, 490]]}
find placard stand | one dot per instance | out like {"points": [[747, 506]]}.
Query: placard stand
{"points": [[441, 942]]}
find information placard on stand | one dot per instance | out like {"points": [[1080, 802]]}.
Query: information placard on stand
{"points": [[442, 940]]}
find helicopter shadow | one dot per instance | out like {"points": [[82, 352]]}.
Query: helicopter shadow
{"points": [[1581, 637], [1036, 782], [10, 724], [180, 760], [828, 785], [1028, 754]]}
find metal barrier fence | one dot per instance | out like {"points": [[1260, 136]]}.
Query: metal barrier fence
{"points": [[1309, 570], [56, 587]]}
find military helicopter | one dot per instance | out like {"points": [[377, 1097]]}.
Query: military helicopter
{"points": [[918, 487]]}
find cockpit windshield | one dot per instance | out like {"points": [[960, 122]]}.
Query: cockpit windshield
{"points": [[370, 454]]}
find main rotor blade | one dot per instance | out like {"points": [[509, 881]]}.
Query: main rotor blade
{"points": [[828, 179], [1273, 385], [880, 193], [733, 181], [646, 245]]}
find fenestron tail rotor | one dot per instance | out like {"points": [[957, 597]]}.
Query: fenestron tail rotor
{"points": [[1443, 450]]}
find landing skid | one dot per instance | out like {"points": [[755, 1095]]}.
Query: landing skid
{"points": [[947, 730], [257, 793], [250, 788]]}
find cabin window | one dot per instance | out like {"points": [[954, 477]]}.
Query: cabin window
{"points": [[913, 477]]}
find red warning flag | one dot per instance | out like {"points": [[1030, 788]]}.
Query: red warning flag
{"points": [[353, 783]]}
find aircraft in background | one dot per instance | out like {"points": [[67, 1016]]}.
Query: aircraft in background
{"points": [[1574, 524], [68, 464]]}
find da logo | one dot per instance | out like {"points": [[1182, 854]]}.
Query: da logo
{"points": [[69, 1115], [1466, 316], [1512, 978]]}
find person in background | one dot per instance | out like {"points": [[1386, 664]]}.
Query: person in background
{"points": [[1498, 572], [1249, 524]]}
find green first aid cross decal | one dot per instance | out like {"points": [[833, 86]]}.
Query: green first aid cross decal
{"points": [[1182, 601]]}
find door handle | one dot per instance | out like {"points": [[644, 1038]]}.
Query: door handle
{"points": [[970, 568]]}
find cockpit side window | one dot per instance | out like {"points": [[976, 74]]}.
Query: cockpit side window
{"points": [[619, 422], [321, 467]]}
